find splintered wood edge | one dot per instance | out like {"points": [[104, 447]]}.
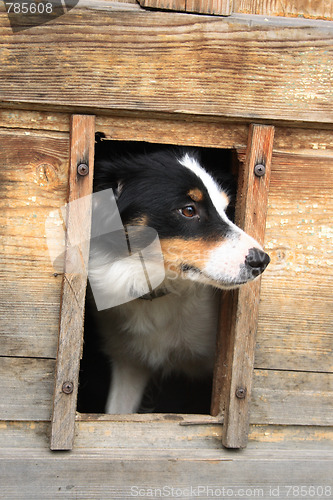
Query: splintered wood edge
{"points": [[82, 140], [239, 310]]}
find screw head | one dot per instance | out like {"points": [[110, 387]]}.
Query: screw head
{"points": [[241, 392], [259, 170], [82, 169], [67, 387]]}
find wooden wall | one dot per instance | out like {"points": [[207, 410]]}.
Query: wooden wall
{"points": [[183, 79], [294, 373], [126, 58], [315, 9]]}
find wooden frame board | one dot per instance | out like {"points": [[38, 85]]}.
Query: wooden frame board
{"points": [[74, 281], [239, 311], [238, 353]]}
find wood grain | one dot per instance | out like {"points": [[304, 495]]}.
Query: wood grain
{"points": [[274, 391], [121, 474], [295, 328], [26, 388], [33, 183], [162, 433], [164, 129], [239, 310], [318, 9], [278, 397], [74, 282], [178, 5], [217, 7], [143, 61], [314, 9], [221, 7], [29, 312]]}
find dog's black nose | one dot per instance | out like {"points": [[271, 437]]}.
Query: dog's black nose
{"points": [[257, 260]]}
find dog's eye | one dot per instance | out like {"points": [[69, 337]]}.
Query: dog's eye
{"points": [[188, 211]]}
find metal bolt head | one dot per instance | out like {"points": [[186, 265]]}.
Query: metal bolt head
{"points": [[241, 392], [259, 170], [67, 387], [82, 169]]}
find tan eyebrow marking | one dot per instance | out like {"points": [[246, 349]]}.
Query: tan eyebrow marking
{"points": [[195, 194]]}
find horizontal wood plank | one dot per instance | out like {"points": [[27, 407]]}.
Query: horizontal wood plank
{"points": [[295, 398], [29, 311], [123, 474], [182, 130], [162, 432], [295, 329], [34, 182], [26, 388], [108, 59]]}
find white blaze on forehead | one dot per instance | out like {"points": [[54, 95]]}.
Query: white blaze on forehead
{"points": [[219, 201]]}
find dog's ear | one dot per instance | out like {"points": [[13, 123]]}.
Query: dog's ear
{"points": [[107, 174], [117, 189]]}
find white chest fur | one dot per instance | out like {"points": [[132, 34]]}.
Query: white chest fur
{"points": [[173, 332]]}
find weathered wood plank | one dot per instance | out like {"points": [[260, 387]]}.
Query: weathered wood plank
{"points": [[218, 7], [295, 398], [239, 308], [78, 225], [295, 328], [161, 432], [120, 474], [33, 183], [318, 9], [162, 62], [34, 120], [26, 388], [179, 5], [29, 312], [165, 130], [275, 391]]}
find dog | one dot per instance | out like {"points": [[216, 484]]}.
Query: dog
{"points": [[171, 328]]}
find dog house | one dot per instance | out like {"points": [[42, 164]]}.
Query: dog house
{"points": [[251, 77]]}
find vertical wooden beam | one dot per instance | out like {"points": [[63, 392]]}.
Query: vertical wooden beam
{"points": [[239, 309], [78, 223]]}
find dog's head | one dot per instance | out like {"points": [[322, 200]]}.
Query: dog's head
{"points": [[169, 191]]}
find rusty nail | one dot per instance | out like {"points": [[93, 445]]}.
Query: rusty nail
{"points": [[241, 392], [82, 169], [67, 387], [259, 170]]}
